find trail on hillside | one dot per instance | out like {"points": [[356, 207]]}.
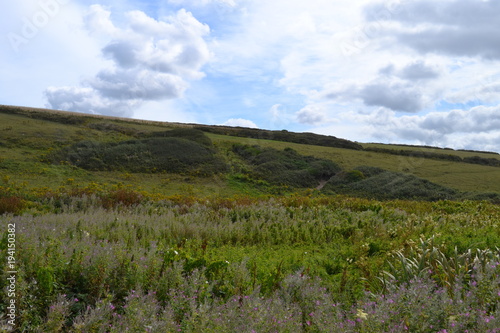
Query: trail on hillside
{"points": [[322, 184]]}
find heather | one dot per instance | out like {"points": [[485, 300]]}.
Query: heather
{"points": [[119, 260]]}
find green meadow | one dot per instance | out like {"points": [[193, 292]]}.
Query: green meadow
{"points": [[133, 226]]}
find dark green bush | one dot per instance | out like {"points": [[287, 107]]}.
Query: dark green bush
{"points": [[184, 133], [174, 155], [286, 136], [482, 161], [390, 185], [369, 171], [438, 156], [286, 167], [112, 127]]}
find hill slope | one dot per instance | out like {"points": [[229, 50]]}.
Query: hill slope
{"points": [[46, 150]]}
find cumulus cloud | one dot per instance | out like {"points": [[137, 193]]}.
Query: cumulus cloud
{"points": [[471, 128], [138, 84], [455, 27], [98, 20], [152, 60], [239, 122], [393, 94], [396, 87], [86, 100], [418, 71], [311, 115]]}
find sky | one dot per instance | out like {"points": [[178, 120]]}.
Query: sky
{"points": [[404, 71]]}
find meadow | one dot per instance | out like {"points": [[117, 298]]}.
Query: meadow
{"points": [[105, 262], [134, 226], [27, 135]]}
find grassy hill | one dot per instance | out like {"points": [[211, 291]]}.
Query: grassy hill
{"points": [[46, 151], [129, 225]]}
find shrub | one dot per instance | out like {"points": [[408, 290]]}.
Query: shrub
{"points": [[168, 154], [112, 127], [123, 197], [286, 136], [482, 161], [11, 204], [389, 185], [286, 167], [185, 133]]}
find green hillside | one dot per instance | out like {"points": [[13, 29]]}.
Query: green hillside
{"points": [[48, 151], [119, 225]]}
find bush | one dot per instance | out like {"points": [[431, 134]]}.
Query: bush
{"points": [[286, 167], [11, 204], [185, 133], [369, 171], [169, 154], [388, 185], [111, 127], [302, 138], [124, 197], [482, 161]]}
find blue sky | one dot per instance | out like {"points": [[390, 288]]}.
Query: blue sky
{"points": [[403, 71]]}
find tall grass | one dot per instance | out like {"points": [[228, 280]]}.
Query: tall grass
{"points": [[282, 264]]}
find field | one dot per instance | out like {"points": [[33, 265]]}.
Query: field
{"points": [[109, 236], [282, 264]]}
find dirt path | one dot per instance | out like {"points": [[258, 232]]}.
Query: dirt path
{"points": [[321, 184]]}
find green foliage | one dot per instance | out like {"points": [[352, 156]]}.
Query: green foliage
{"points": [[182, 263], [32, 135], [286, 167], [439, 156], [388, 185], [482, 161], [184, 133], [169, 154], [113, 127], [285, 136], [54, 116]]}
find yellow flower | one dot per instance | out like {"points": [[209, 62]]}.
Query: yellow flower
{"points": [[361, 314]]}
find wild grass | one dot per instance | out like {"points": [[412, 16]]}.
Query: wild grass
{"points": [[456, 175], [116, 261], [459, 153], [27, 135]]}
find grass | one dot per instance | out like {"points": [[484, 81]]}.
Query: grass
{"points": [[337, 258], [460, 153], [25, 139], [460, 176], [114, 251]]}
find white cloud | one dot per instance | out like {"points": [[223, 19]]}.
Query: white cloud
{"points": [[137, 84], [312, 115], [152, 60], [239, 122], [455, 128], [87, 100], [57, 54], [350, 67], [454, 27], [230, 3], [98, 20]]}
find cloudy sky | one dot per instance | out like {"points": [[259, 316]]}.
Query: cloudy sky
{"points": [[403, 71]]}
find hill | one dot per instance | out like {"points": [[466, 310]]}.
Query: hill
{"points": [[127, 225], [45, 151]]}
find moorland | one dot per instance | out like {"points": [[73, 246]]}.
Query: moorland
{"points": [[141, 226]]}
